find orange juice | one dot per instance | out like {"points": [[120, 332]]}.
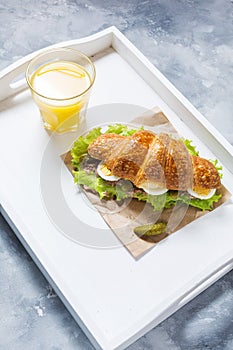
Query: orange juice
{"points": [[62, 91]]}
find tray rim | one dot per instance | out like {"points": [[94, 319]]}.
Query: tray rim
{"points": [[107, 38]]}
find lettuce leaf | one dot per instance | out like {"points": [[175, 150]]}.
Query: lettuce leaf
{"points": [[170, 198], [203, 204], [105, 189], [217, 166], [121, 129], [157, 202], [80, 146], [191, 149], [193, 152]]}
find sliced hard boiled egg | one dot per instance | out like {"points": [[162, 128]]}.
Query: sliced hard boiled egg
{"points": [[105, 173], [153, 189], [201, 193]]}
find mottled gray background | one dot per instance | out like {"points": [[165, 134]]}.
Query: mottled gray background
{"points": [[191, 42]]}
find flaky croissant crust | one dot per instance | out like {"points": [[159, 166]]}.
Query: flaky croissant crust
{"points": [[156, 159]]}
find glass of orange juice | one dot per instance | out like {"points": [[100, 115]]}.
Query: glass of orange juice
{"points": [[60, 81]]}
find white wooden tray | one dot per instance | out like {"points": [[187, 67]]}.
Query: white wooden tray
{"points": [[113, 297]]}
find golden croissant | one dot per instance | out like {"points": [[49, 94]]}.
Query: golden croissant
{"points": [[156, 159]]}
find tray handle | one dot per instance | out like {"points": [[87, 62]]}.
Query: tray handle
{"points": [[13, 80]]}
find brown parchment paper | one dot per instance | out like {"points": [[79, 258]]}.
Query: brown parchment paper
{"points": [[124, 217]]}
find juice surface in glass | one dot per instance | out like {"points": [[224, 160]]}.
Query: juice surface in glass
{"points": [[60, 94]]}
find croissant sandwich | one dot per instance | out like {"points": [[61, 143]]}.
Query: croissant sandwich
{"points": [[155, 164]]}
